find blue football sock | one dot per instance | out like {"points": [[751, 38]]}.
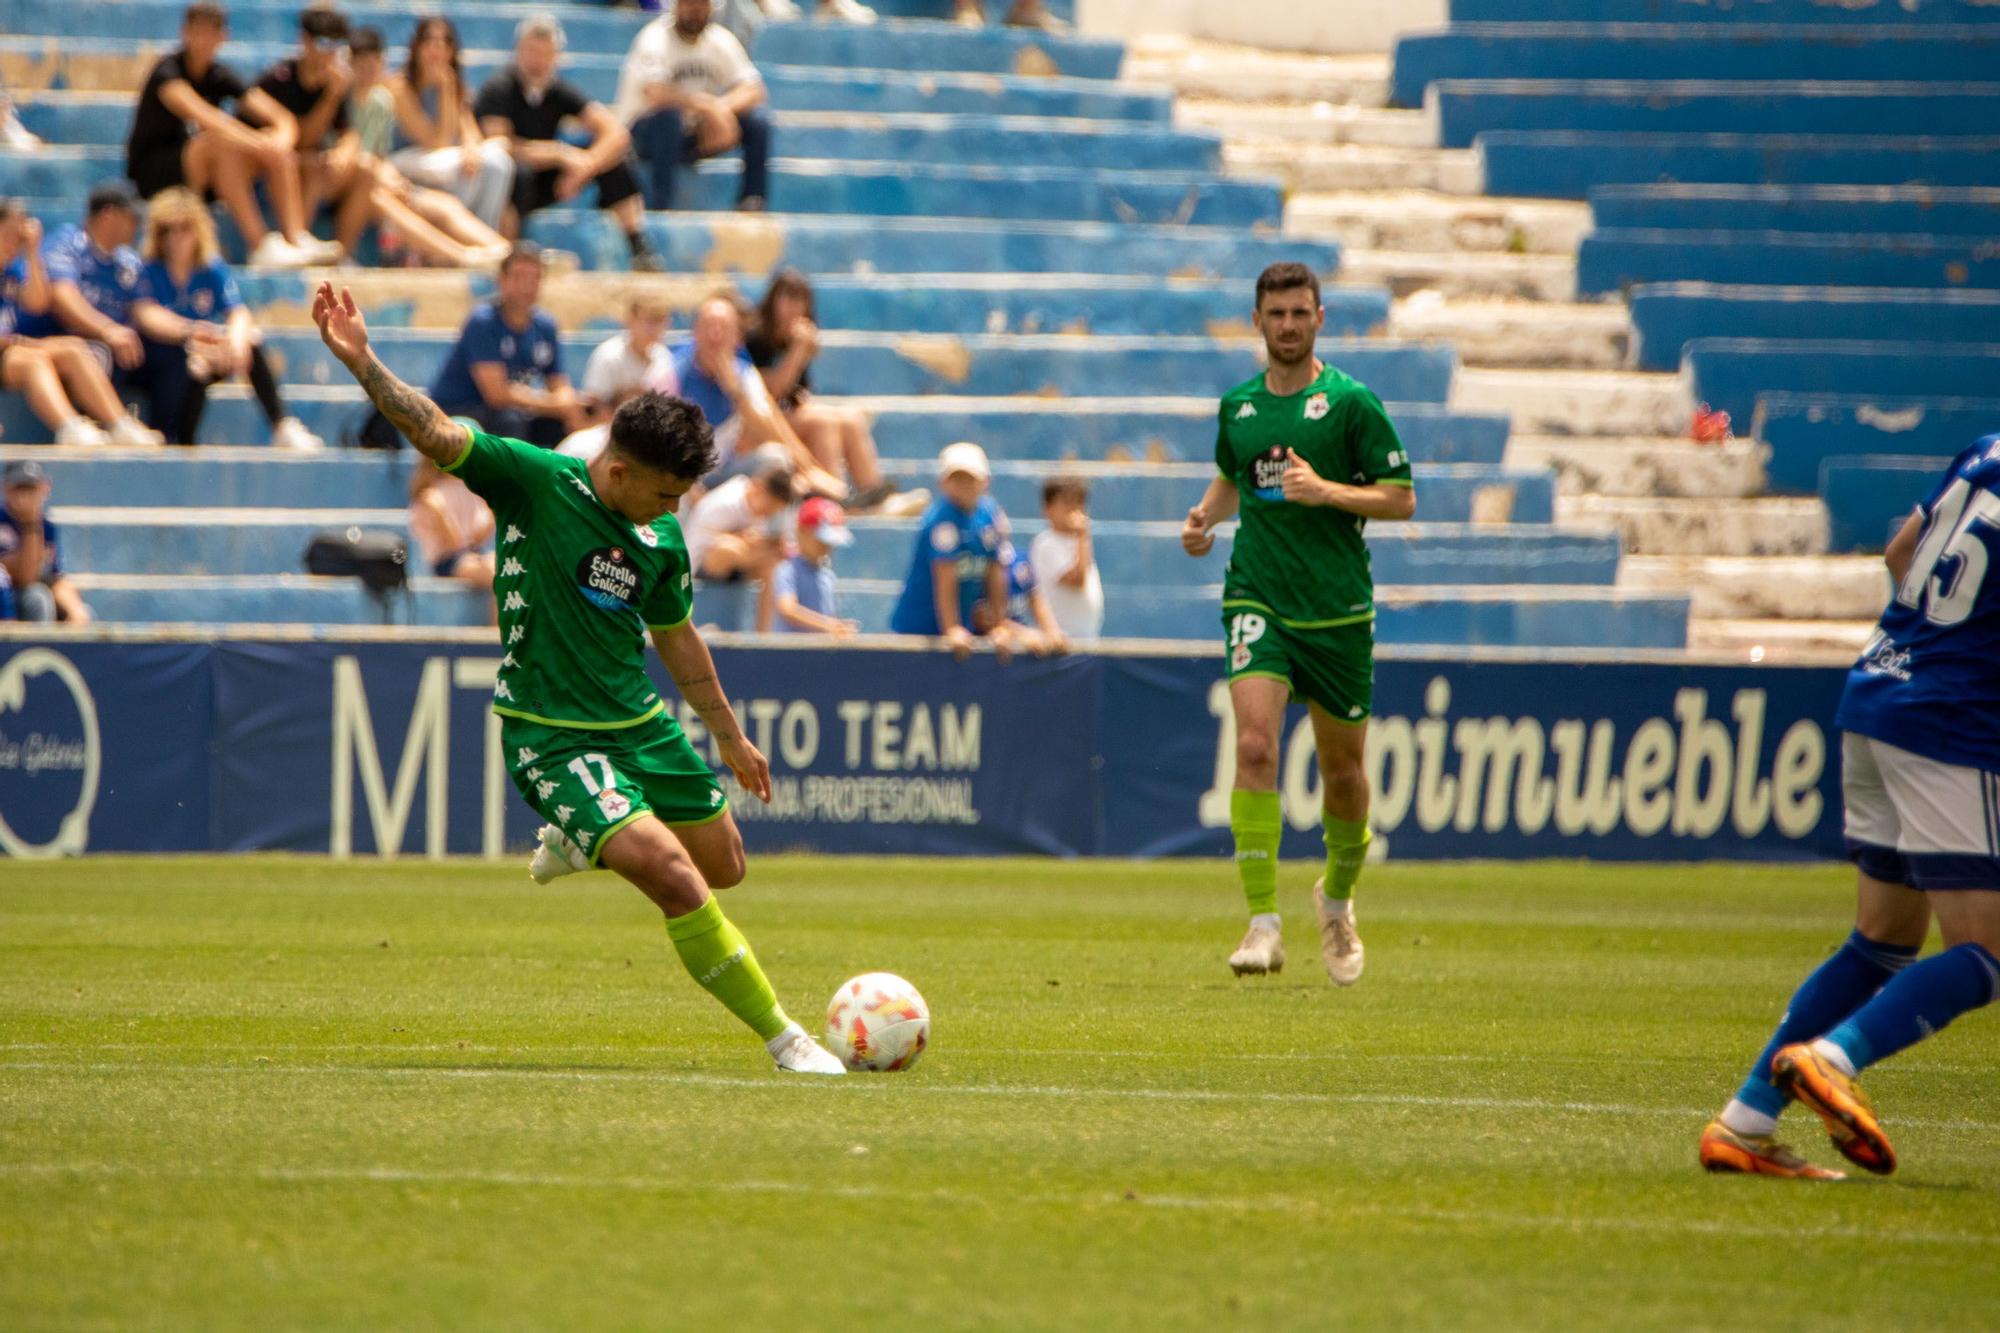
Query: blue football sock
{"points": [[1918, 1004], [1840, 985]]}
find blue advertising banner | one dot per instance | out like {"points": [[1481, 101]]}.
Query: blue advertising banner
{"points": [[387, 747]]}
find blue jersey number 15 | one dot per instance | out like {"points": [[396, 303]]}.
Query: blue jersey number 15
{"points": [[1948, 598]]}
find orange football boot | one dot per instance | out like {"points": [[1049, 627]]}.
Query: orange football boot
{"points": [[1723, 1149], [1836, 1100]]}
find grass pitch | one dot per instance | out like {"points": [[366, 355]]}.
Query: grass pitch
{"points": [[269, 1093]]}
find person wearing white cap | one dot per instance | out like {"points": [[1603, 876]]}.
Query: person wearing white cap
{"points": [[956, 559]]}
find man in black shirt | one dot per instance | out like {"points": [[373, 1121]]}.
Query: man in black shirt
{"points": [[526, 104], [334, 169], [223, 156]]}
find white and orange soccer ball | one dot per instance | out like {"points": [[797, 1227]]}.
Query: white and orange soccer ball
{"points": [[877, 1022]]}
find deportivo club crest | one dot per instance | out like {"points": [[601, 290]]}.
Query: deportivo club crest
{"points": [[1316, 407]]}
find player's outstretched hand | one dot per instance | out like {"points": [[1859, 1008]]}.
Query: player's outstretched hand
{"points": [[341, 327], [752, 769], [1197, 538]]}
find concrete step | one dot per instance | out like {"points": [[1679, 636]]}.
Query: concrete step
{"points": [[1312, 123], [1781, 641], [1423, 220], [1578, 402], [1517, 333], [1781, 587], [1643, 466], [1460, 274], [1658, 526], [1305, 167], [1248, 74]]}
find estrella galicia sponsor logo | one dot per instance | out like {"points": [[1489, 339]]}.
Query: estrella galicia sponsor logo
{"points": [[50, 755], [608, 579], [1267, 474]]}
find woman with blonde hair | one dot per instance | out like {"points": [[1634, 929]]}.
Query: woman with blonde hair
{"points": [[438, 139], [189, 308]]}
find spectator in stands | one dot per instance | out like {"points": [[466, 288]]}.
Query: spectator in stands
{"points": [[182, 136], [13, 134], [454, 530], [57, 375], [188, 309], [1065, 566], [804, 593], [525, 105], [1024, 619], [334, 167], [622, 367], [846, 11], [782, 343], [955, 562], [505, 372], [689, 91], [1022, 14], [371, 106], [715, 375], [30, 549], [737, 531], [439, 142], [93, 277]]}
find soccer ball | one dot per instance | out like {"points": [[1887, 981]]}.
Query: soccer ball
{"points": [[878, 1022]]}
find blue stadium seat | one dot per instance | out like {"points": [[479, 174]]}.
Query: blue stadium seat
{"points": [[1567, 164], [1868, 497], [1729, 373], [1804, 430], [1894, 13], [1861, 210], [1609, 261], [1667, 316]]}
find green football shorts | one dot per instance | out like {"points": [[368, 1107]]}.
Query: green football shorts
{"points": [[590, 784], [1334, 668]]}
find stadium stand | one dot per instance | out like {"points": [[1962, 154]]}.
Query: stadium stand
{"points": [[1010, 245]]}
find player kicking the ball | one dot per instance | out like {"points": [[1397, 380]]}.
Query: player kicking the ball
{"points": [[591, 562], [1308, 456], [1920, 773]]}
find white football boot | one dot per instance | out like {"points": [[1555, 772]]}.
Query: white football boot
{"points": [[557, 856], [1262, 950], [796, 1053], [1339, 943]]}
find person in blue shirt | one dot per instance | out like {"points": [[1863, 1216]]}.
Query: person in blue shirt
{"points": [[1026, 620], [60, 378], [31, 548], [956, 560], [506, 371], [188, 309], [804, 589], [716, 375], [93, 278], [1920, 780]]}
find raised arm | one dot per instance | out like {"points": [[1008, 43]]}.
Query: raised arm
{"points": [[693, 670], [435, 435]]}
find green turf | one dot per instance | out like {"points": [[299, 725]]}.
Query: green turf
{"points": [[268, 1093]]}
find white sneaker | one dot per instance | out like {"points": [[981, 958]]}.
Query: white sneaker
{"points": [[128, 431], [1339, 943], [274, 251], [291, 433], [796, 1053], [15, 135], [81, 431], [778, 11], [906, 504], [317, 251], [847, 11], [557, 856], [1262, 950]]}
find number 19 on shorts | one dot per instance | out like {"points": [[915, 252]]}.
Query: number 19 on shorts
{"points": [[1245, 628]]}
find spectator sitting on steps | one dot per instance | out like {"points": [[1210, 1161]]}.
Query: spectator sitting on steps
{"points": [[689, 91], [1022, 14], [30, 550], [715, 375], [454, 530], [438, 139], [736, 531], [804, 591], [505, 372], [1065, 564]]}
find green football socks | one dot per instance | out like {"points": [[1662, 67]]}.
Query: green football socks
{"points": [[1346, 852], [1255, 819], [719, 959]]}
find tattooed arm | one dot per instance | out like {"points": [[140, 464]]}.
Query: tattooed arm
{"points": [[693, 670], [436, 436]]}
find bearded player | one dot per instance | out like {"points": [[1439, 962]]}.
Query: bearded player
{"points": [[592, 563], [1307, 456]]}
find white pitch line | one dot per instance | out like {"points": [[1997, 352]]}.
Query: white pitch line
{"points": [[965, 1198], [918, 1088]]}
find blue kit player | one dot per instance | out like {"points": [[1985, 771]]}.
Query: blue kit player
{"points": [[1920, 723]]}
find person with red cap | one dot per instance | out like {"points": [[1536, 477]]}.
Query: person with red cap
{"points": [[803, 585]]}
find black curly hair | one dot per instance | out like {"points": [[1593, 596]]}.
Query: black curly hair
{"points": [[666, 434]]}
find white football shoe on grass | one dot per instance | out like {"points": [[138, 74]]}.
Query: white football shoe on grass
{"points": [[557, 856], [1262, 951], [1339, 943], [796, 1053]]}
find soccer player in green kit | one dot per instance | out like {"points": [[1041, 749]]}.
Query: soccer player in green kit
{"points": [[1308, 456], [592, 563]]}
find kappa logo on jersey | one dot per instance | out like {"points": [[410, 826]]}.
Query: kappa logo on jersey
{"points": [[1267, 473], [614, 804], [608, 579], [1246, 411], [1316, 407], [715, 797]]}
